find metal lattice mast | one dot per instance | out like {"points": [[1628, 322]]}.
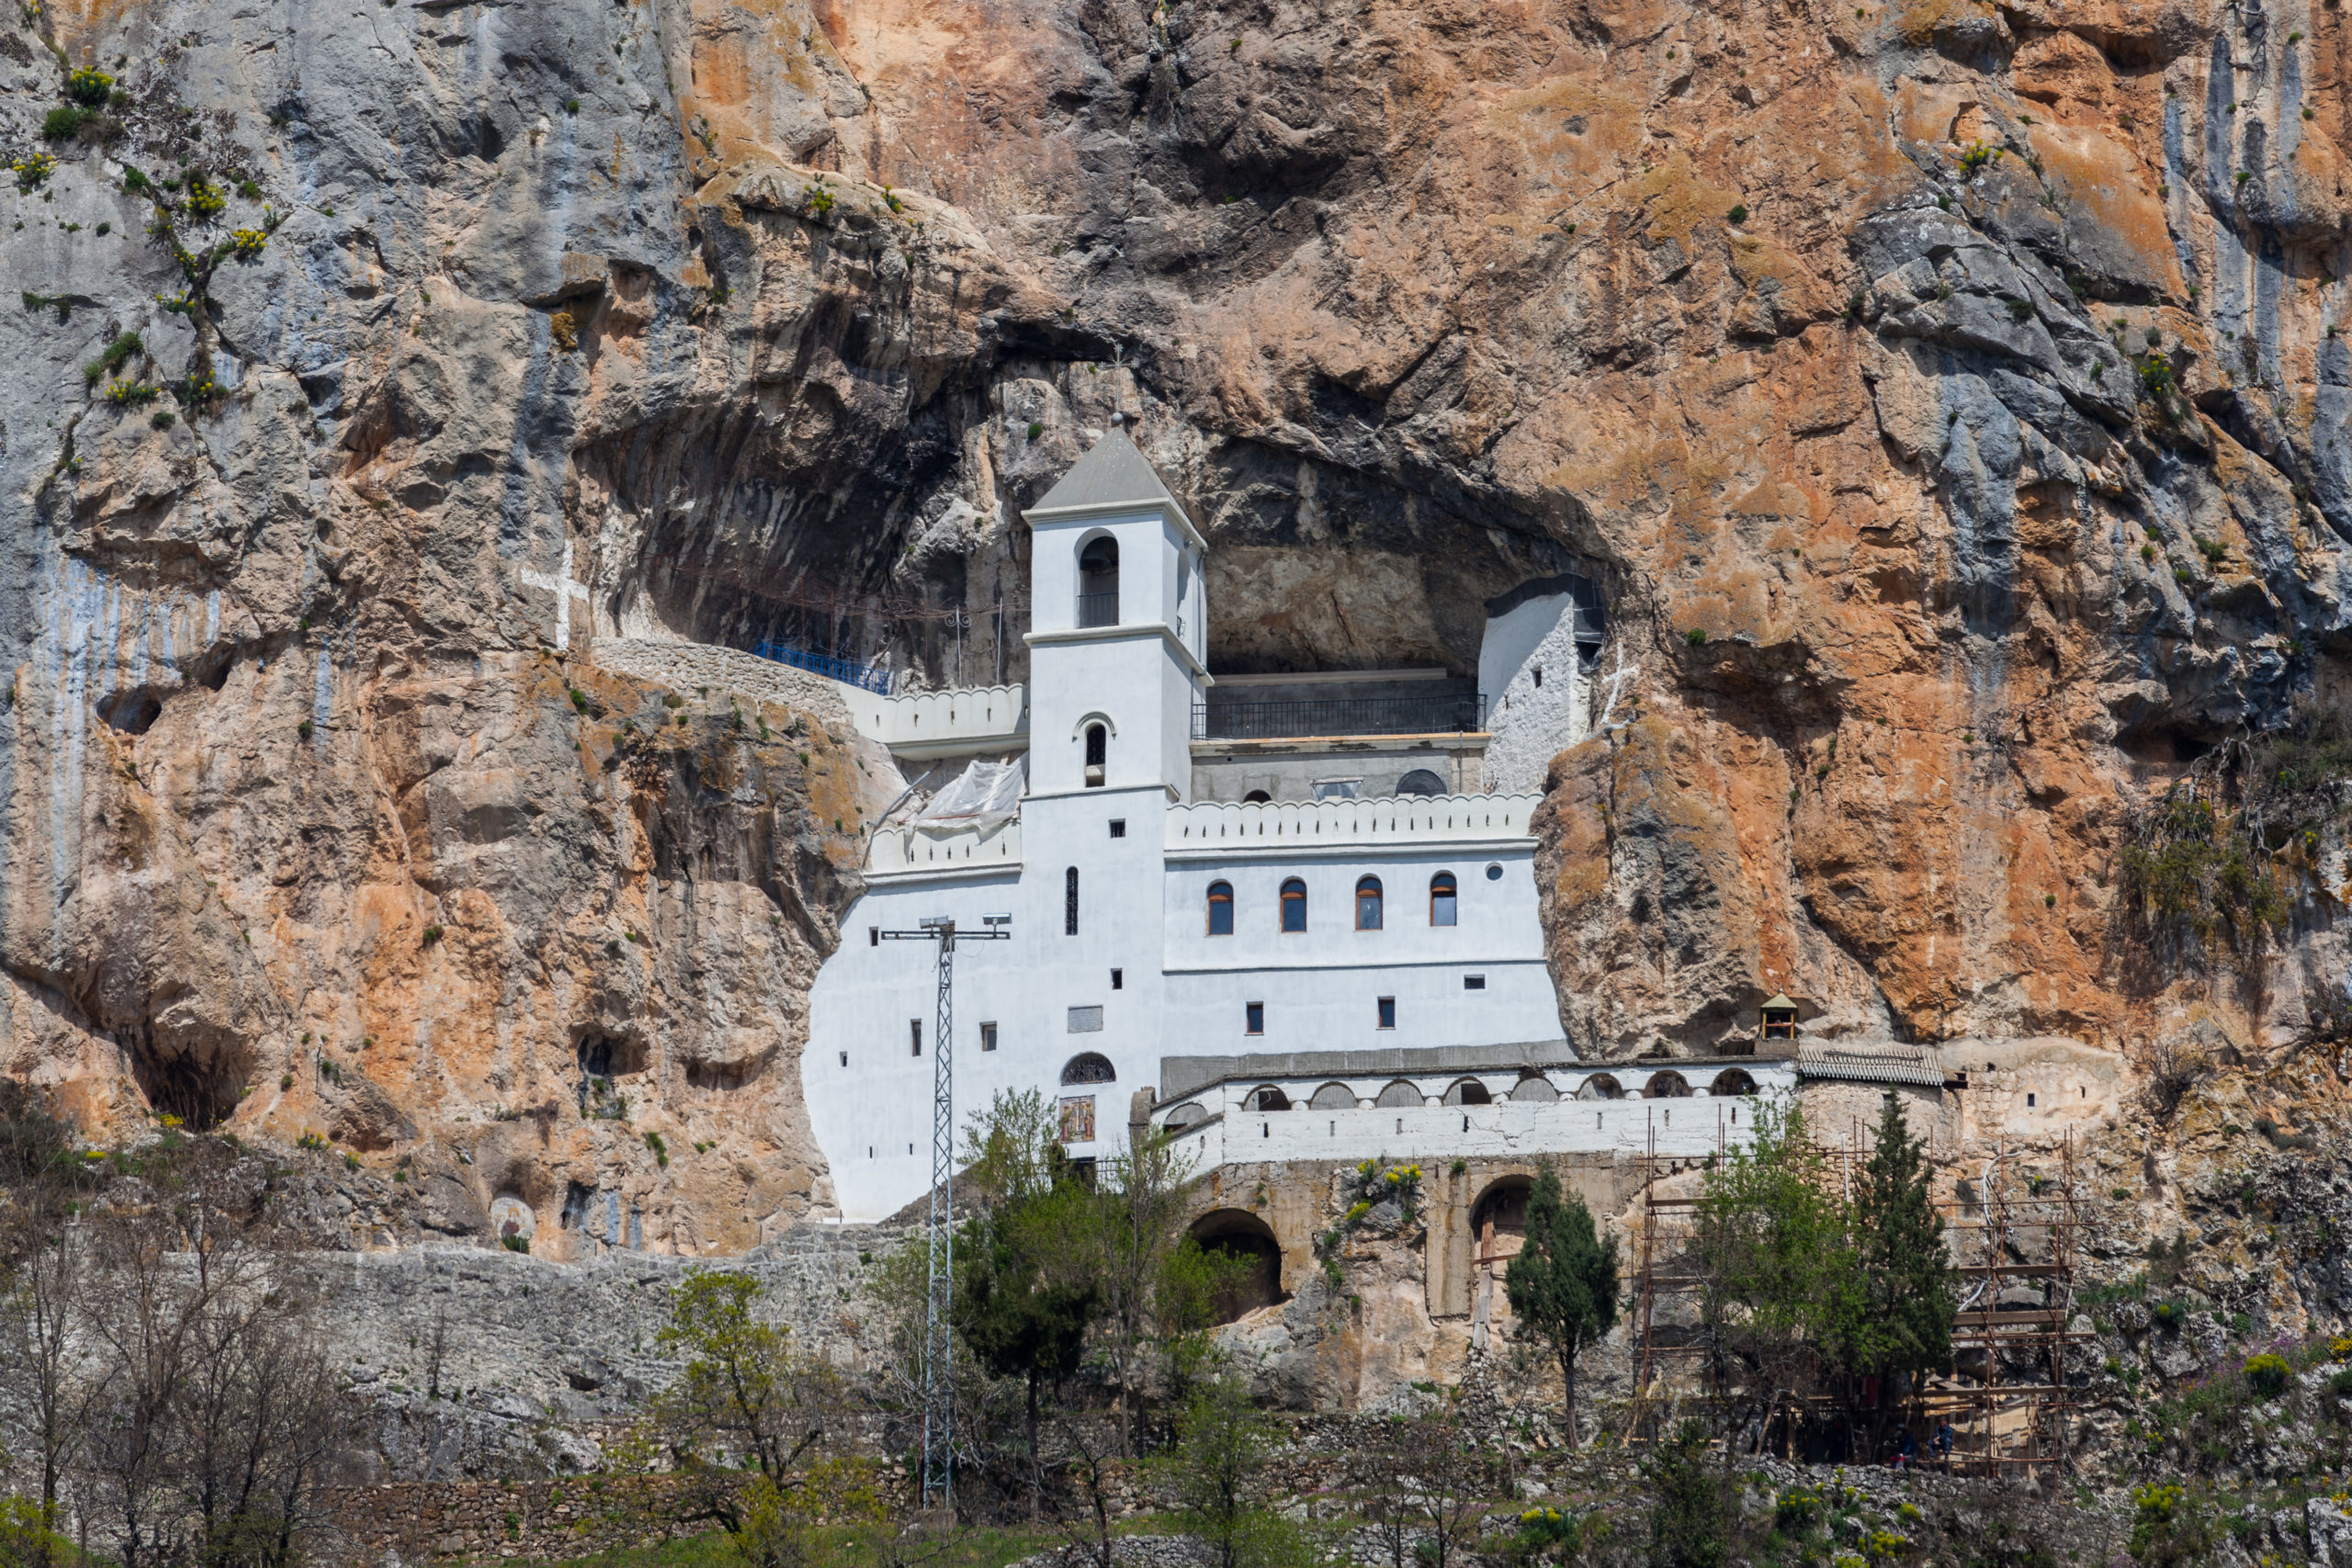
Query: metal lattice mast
{"points": [[938, 1384]]}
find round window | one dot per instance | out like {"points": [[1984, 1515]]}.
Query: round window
{"points": [[1494, 873]]}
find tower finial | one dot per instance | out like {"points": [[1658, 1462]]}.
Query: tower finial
{"points": [[1117, 419]]}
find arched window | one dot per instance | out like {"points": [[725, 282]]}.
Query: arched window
{"points": [[1220, 909], [1402, 1092], [1294, 905], [1368, 904], [1090, 1066], [1333, 1097], [1469, 1091], [1097, 751], [1420, 780], [1257, 798], [1098, 582], [1442, 898], [1666, 1086], [1265, 1097]]}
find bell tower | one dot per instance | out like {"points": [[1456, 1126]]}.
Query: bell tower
{"points": [[1117, 640]]}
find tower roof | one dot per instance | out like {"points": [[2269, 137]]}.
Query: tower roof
{"points": [[1114, 473]]}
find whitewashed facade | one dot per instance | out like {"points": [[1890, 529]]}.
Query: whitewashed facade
{"points": [[1148, 926]]}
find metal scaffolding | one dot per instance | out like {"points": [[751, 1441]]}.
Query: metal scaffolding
{"points": [[2011, 1233]]}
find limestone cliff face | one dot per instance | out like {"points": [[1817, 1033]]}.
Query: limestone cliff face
{"points": [[1968, 375]]}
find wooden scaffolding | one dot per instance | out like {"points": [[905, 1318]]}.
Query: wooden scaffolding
{"points": [[2013, 1233]]}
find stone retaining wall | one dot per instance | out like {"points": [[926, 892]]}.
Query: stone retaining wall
{"points": [[684, 666]]}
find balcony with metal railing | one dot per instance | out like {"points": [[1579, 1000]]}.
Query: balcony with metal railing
{"points": [[1098, 609], [1448, 715]]}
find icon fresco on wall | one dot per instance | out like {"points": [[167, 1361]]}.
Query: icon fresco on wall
{"points": [[1078, 1119], [511, 1221]]}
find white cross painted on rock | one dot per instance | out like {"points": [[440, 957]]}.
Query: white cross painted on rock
{"points": [[565, 590], [1615, 678]]}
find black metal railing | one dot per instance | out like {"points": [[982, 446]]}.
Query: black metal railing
{"points": [[1340, 716], [1099, 609]]}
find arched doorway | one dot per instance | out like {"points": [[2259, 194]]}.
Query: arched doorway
{"points": [[1241, 1235], [1666, 1086], [1499, 1218], [1731, 1081], [1600, 1085]]}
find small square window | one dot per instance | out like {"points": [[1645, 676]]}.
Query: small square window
{"points": [[914, 1036], [1118, 827], [987, 1037], [2028, 1102], [1256, 1015], [1388, 1012], [1118, 979], [1473, 982]]}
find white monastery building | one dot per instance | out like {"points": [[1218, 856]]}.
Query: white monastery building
{"points": [[1294, 917]]}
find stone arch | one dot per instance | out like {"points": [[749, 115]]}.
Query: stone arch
{"points": [[1190, 1114], [1468, 1091], [1536, 1087], [1731, 1082], [1334, 1096], [1240, 1234], [1089, 1066], [1503, 1205], [1400, 1094], [1265, 1097], [1667, 1085], [1600, 1085]]}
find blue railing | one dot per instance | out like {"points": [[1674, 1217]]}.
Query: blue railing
{"points": [[848, 671]]}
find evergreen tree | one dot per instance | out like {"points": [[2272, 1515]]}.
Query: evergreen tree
{"points": [[1907, 1278], [1563, 1284]]}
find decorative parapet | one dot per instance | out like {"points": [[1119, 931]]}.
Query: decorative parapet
{"points": [[960, 720], [913, 851], [1224, 827]]}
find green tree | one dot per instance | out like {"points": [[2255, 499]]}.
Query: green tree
{"points": [[1217, 1471], [1563, 1284], [741, 1401], [1691, 1517], [1907, 1278], [1020, 1314], [1781, 1286]]}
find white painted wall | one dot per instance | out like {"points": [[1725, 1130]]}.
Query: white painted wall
{"points": [[1510, 1129], [873, 1115], [1532, 720]]}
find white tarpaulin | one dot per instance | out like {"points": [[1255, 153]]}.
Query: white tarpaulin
{"points": [[982, 796]]}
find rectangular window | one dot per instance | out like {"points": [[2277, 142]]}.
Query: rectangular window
{"points": [[1255, 1012], [845, 1058], [1118, 979], [874, 936], [1118, 827], [1473, 982], [1388, 1012], [1338, 789], [987, 1037], [914, 1036], [1070, 902], [1086, 1020]]}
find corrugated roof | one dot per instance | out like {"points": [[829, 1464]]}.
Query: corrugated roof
{"points": [[1114, 473]]}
